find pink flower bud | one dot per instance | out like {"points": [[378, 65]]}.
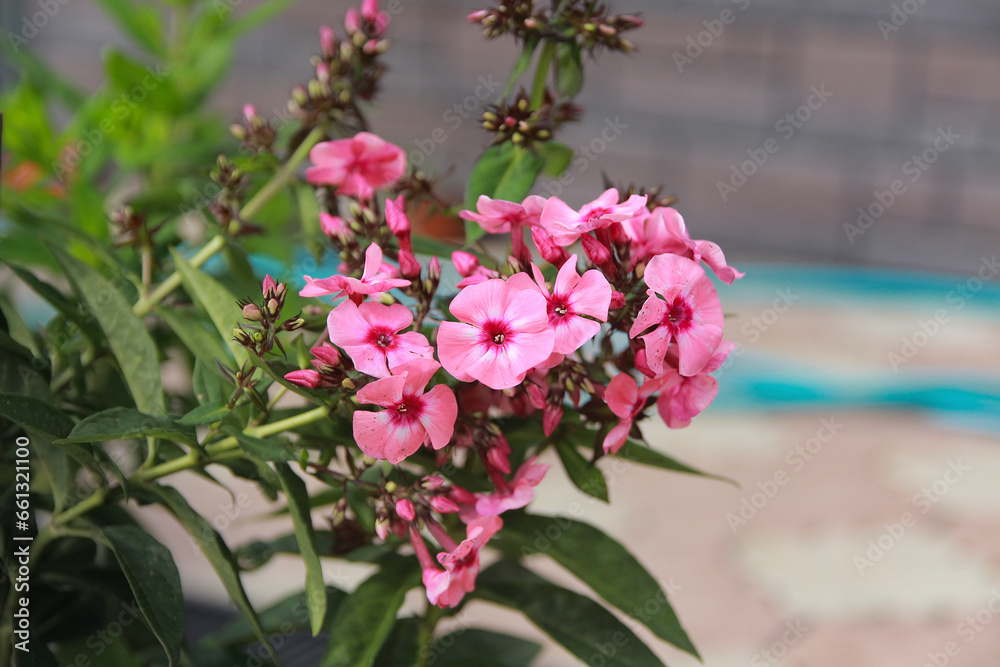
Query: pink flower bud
{"points": [[443, 505], [479, 15], [536, 396], [352, 21], [432, 482], [598, 253], [461, 496], [249, 112], [465, 263], [497, 458], [547, 248], [434, 269], [617, 300], [382, 527], [395, 216], [268, 287], [251, 312], [323, 72], [335, 227], [369, 9], [327, 40], [404, 508], [408, 264], [551, 418], [327, 354], [305, 378]]}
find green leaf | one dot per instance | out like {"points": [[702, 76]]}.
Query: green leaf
{"points": [[582, 626], [55, 464], [298, 502], [33, 413], [117, 423], [128, 338], [258, 16], [569, 69], [214, 299], [363, 621], [633, 450], [260, 448], [483, 648], [203, 342], [521, 65], [218, 554], [505, 172], [586, 476], [400, 649], [154, 580], [606, 566], [206, 414], [55, 298], [137, 20], [557, 157]]}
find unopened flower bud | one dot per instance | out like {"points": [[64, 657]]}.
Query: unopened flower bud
{"points": [[551, 419], [434, 271], [432, 482], [391, 486], [465, 263], [443, 505], [599, 254], [327, 40], [352, 21], [272, 306], [251, 312], [293, 323], [404, 508], [348, 384], [477, 16], [617, 300], [305, 378], [382, 526], [238, 131], [241, 336]]}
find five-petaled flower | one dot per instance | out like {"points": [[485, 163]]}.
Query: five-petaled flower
{"points": [[411, 416], [369, 333], [627, 399], [503, 333], [689, 314], [447, 587], [566, 225], [572, 297], [356, 166], [377, 277]]}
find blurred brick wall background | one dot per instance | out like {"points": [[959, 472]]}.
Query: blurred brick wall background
{"points": [[894, 91]]}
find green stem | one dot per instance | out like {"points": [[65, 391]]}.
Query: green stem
{"points": [[251, 208], [425, 635], [542, 74]]}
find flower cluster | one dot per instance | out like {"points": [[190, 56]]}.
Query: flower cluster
{"points": [[563, 328]]}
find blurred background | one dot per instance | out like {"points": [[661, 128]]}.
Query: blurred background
{"points": [[846, 155]]}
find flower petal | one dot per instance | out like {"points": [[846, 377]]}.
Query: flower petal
{"points": [[440, 410]]}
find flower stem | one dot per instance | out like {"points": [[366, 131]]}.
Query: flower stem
{"points": [[425, 635], [542, 74], [173, 281]]}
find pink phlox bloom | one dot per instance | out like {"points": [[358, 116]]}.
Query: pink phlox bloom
{"points": [[497, 216], [565, 225], [626, 399], [502, 334], [357, 166], [411, 416], [573, 300], [684, 398], [369, 333], [335, 227], [664, 231], [469, 268], [447, 588], [688, 313], [377, 277], [520, 492]]}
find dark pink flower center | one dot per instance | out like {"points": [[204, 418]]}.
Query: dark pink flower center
{"points": [[408, 409], [558, 307], [383, 338], [495, 333], [679, 316]]}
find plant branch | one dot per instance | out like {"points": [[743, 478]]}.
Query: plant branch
{"points": [[542, 74]]}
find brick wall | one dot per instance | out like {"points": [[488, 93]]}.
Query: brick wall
{"points": [[893, 90]]}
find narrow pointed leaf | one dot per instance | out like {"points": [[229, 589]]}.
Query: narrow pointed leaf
{"points": [[33, 413], [606, 566], [118, 423], [633, 450], [155, 582], [587, 477], [298, 503], [483, 648], [127, 337]]}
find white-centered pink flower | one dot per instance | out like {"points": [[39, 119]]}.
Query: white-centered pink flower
{"points": [[369, 333], [502, 334], [447, 587], [684, 307], [356, 166], [377, 277], [626, 399], [684, 398], [411, 416], [565, 224], [664, 231], [573, 300]]}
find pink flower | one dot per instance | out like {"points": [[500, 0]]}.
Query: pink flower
{"points": [[461, 564], [399, 225], [497, 216], [356, 166], [566, 225], [689, 314], [468, 267], [334, 226], [503, 332], [626, 399], [573, 297], [664, 231], [519, 493], [369, 333], [411, 417], [377, 277], [547, 248], [684, 398]]}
